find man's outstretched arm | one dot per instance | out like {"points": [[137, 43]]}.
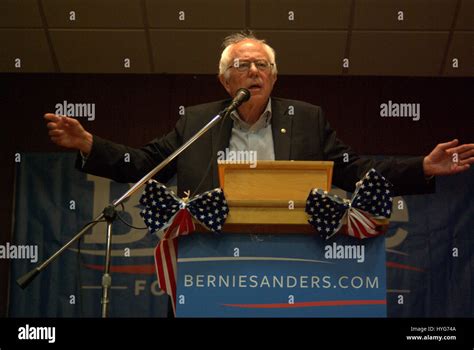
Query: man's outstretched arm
{"points": [[409, 175], [112, 160]]}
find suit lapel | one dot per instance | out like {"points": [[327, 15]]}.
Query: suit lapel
{"points": [[281, 130]]}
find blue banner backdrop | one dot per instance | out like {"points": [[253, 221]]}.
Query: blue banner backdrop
{"points": [[429, 247]]}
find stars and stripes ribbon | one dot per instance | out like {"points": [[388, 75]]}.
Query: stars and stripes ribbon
{"points": [[164, 210], [372, 198]]}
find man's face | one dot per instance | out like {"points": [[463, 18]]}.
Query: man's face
{"points": [[259, 82]]}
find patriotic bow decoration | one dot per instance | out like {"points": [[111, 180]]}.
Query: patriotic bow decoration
{"points": [[164, 210], [371, 199]]}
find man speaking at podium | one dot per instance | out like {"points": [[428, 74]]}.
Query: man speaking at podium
{"points": [[274, 128]]}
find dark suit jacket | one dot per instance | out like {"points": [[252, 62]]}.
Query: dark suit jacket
{"points": [[308, 137]]}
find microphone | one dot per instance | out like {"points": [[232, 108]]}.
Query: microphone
{"points": [[242, 95]]}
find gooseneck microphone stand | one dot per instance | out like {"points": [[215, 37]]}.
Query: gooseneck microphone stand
{"points": [[109, 213]]}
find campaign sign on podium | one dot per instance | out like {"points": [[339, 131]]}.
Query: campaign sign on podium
{"points": [[270, 262], [280, 275]]}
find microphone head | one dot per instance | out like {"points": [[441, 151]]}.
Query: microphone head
{"points": [[243, 95]]}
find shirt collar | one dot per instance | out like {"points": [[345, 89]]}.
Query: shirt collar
{"points": [[262, 122]]}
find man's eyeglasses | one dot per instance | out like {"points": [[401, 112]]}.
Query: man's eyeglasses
{"points": [[244, 65]]}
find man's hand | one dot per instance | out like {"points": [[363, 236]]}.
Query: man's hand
{"points": [[448, 159], [68, 132]]}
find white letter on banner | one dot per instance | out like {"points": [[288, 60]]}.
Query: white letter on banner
{"points": [[101, 193], [139, 286], [188, 280]]}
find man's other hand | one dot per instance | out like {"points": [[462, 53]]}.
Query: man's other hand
{"points": [[68, 132], [448, 158]]}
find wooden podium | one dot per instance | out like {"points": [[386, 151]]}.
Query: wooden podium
{"points": [[271, 196], [274, 264]]}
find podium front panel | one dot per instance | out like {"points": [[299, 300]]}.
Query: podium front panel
{"points": [[281, 275]]}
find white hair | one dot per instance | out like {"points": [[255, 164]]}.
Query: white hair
{"points": [[228, 44]]}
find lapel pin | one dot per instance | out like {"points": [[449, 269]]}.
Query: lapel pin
{"points": [[283, 130]]}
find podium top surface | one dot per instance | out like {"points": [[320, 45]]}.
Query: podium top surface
{"points": [[273, 180]]}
